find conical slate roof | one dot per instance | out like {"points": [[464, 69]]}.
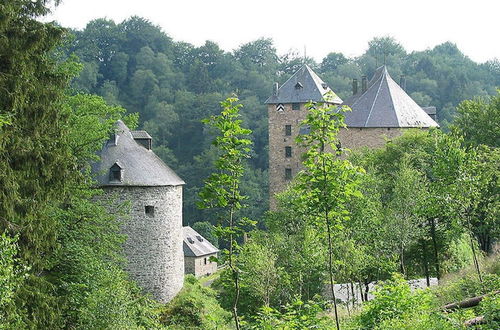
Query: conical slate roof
{"points": [[140, 166], [385, 104], [303, 86]]}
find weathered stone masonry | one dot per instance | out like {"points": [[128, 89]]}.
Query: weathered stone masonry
{"points": [[154, 241]]}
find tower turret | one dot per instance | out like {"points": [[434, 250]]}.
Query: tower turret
{"points": [[129, 171], [286, 110]]}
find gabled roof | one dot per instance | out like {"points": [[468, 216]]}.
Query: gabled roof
{"points": [[141, 167], [385, 104], [195, 245], [140, 135], [303, 86]]}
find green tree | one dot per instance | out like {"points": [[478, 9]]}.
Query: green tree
{"points": [[222, 188], [478, 121], [327, 182]]}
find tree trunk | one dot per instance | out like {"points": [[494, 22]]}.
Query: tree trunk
{"points": [[353, 295], [471, 302], [361, 292], [426, 266], [432, 225], [330, 269], [234, 273], [367, 288]]}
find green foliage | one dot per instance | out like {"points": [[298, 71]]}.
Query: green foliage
{"points": [[396, 307], [297, 315], [490, 309], [11, 278], [195, 307], [222, 188], [477, 121]]}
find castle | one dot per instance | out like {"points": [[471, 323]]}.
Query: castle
{"points": [[129, 171], [380, 110]]}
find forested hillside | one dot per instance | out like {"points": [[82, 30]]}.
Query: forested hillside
{"points": [[173, 85]]}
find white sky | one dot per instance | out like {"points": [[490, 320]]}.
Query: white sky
{"points": [[321, 26]]}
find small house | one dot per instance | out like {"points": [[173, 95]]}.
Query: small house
{"points": [[197, 253]]}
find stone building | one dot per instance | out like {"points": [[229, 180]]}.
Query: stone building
{"points": [[381, 110], [197, 253], [286, 110], [130, 172]]}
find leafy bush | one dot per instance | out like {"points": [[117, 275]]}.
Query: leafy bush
{"points": [[490, 308], [396, 307], [298, 315], [195, 307]]}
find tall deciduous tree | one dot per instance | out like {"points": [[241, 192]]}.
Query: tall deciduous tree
{"points": [[327, 182], [222, 188]]}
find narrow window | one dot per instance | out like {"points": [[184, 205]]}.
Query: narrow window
{"points": [[205, 260], [295, 106], [149, 210], [115, 173], [288, 173], [288, 130], [288, 152]]}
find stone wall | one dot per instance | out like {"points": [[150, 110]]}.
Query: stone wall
{"points": [[352, 138], [277, 143], [355, 138], [155, 258], [200, 266]]}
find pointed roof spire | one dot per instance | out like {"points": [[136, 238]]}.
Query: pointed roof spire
{"points": [[303, 86], [385, 104]]}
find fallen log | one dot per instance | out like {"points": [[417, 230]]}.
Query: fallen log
{"points": [[475, 321], [471, 302]]}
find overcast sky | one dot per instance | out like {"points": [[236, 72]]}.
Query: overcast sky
{"points": [[319, 26]]}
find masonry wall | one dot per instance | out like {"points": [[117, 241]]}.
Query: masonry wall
{"points": [[277, 143], [155, 258], [197, 266], [351, 138]]}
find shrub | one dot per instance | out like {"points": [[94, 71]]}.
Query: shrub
{"points": [[195, 307], [396, 307]]}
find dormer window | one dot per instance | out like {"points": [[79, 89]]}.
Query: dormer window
{"points": [[115, 173], [298, 85]]}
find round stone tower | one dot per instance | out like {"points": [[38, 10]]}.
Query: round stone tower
{"points": [[130, 172]]}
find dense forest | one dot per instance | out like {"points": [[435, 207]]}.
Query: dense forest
{"points": [[426, 205], [173, 85]]}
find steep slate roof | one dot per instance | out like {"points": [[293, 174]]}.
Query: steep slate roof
{"points": [[313, 89], [141, 167], [385, 104], [195, 245]]}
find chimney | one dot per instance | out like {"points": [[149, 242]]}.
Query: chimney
{"points": [[354, 86], [402, 82], [364, 84], [275, 89]]}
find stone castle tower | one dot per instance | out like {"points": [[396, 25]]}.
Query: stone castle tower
{"points": [[130, 171], [380, 110], [286, 110]]}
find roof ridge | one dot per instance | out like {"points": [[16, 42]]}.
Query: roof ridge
{"points": [[374, 101]]}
